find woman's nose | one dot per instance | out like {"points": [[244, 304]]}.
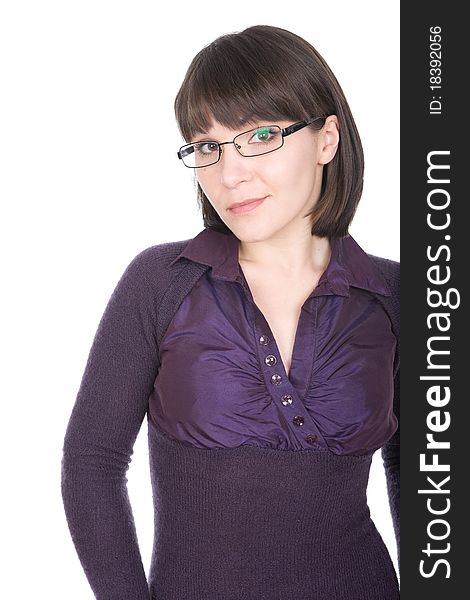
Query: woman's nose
{"points": [[233, 166]]}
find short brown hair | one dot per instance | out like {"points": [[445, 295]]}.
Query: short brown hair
{"points": [[270, 73]]}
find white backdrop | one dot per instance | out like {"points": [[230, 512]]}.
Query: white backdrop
{"points": [[89, 177]]}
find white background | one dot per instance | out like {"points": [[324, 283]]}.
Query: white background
{"points": [[89, 177]]}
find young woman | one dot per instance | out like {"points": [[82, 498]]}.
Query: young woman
{"points": [[263, 351]]}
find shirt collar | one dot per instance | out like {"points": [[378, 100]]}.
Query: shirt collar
{"points": [[349, 265]]}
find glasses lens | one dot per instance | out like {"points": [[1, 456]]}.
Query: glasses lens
{"points": [[260, 140], [200, 154]]}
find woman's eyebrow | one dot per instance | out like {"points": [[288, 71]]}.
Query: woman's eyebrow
{"points": [[200, 133], [203, 137], [241, 129]]}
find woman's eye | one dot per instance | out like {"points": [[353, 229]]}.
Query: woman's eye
{"points": [[206, 147], [263, 135]]}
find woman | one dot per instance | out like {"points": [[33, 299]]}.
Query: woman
{"points": [[263, 351]]}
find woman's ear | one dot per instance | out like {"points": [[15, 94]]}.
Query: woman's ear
{"points": [[329, 140]]}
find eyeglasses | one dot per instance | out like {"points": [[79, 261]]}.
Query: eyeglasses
{"points": [[255, 142]]}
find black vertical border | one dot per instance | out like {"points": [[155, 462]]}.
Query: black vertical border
{"points": [[434, 270]]}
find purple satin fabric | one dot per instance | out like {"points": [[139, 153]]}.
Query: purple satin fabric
{"points": [[215, 386]]}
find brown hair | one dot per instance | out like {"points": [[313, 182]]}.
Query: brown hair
{"points": [[270, 73]]}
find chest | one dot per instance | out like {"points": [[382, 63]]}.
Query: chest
{"points": [[280, 302], [322, 373]]}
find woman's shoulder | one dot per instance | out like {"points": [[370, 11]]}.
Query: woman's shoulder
{"points": [[157, 259], [151, 270], [389, 268]]}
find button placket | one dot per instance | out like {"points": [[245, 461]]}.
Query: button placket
{"points": [[287, 393], [288, 397]]}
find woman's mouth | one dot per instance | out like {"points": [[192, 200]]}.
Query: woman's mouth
{"points": [[248, 207]]}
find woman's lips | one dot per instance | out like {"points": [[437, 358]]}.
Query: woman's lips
{"points": [[244, 208]]}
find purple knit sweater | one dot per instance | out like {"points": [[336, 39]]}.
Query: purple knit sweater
{"points": [[230, 523]]}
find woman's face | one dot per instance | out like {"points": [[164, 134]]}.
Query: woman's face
{"points": [[289, 179]]}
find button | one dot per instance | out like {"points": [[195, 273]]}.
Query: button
{"points": [[298, 420], [311, 438], [276, 379], [286, 399], [270, 360], [264, 340]]}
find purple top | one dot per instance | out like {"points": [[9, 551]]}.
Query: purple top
{"points": [[222, 382], [245, 522]]}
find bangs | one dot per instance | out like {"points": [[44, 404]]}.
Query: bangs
{"points": [[236, 86]]}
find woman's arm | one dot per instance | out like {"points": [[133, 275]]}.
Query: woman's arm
{"points": [[390, 269], [391, 459], [106, 418]]}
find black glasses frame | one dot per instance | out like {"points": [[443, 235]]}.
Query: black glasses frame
{"points": [[284, 133]]}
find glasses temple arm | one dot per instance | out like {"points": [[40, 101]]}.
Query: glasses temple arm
{"points": [[296, 126]]}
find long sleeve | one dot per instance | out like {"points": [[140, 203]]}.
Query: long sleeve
{"points": [[391, 460], [105, 421], [391, 450]]}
